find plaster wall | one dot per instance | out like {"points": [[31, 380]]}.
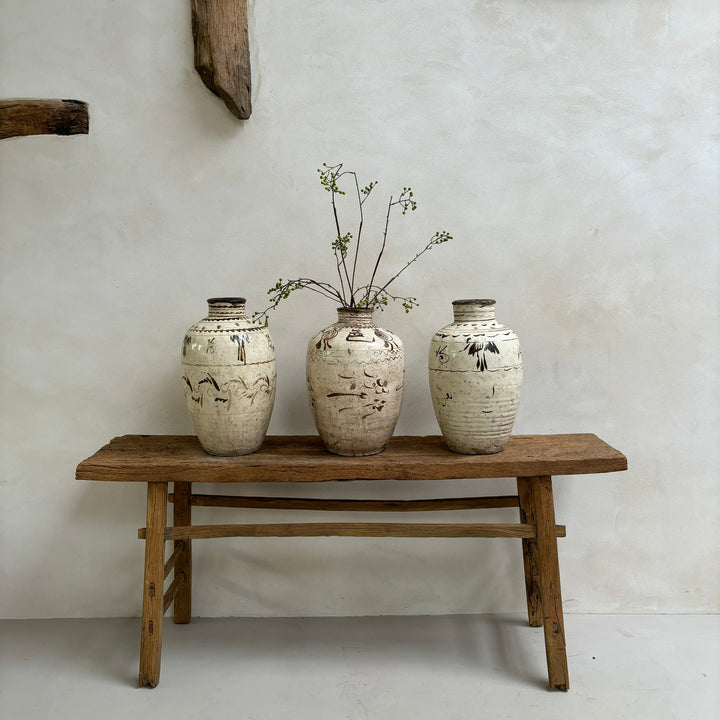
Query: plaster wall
{"points": [[569, 147]]}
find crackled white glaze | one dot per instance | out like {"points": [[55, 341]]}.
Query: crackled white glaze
{"points": [[355, 376], [229, 377], [475, 368]]}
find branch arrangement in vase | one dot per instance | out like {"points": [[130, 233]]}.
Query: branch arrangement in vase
{"points": [[348, 291]]}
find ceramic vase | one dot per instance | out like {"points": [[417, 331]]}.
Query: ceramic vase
{"points": [[355, 374], [229, 376], [475, 367]]}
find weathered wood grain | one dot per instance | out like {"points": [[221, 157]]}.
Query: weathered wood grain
{"points": [[182, 515], [343, 505], [153, 609], [399, 530], [172, 592], [27, 116], [143, 458], [549, 571], [530, 560], [222, 51], [170, 562]]}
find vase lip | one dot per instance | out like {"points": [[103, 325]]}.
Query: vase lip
{"points": [[361, 310], [484, 302], [226, 301]]}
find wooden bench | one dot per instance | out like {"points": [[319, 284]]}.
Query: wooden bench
{"points": [[159, 460]]}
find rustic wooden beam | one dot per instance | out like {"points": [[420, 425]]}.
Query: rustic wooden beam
{"points": [[549, 581], [152, 613], [222, 51], [25, 116], [408, 530], [182, 515], [530, 554], [342, 505], [305, 459]]}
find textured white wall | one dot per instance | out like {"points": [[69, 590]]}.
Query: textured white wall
{"points": [[570, 148]]}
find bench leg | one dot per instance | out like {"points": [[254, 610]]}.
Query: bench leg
{"points": [[550, 596], [152, 615], [530, 552], [182, 607]]}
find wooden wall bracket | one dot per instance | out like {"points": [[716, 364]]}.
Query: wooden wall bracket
{"points": [[25, 116], [222, 53]]}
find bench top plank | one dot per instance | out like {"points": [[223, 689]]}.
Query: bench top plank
{"points": [[163, 458]]}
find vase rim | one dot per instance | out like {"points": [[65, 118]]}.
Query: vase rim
{"points": [[484, 302], [362, 310], [226, 301]]}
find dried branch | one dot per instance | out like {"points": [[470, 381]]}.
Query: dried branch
{"points": [[348, 295]]}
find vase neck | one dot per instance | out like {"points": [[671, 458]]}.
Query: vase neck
{"points": [[357, 317], [230, 307], [473, 310]]}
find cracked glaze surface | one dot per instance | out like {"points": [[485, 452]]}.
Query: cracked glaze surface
{"points": [[475, 371], [229, 379], [355, 378]]}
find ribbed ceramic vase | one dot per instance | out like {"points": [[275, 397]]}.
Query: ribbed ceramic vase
{"points": [[475, 367], [355, 375], [229, 377]]}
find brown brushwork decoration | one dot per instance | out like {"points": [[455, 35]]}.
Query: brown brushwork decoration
{"points": [[26, 116], [222, 53]]}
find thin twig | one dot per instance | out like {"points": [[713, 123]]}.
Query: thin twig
{"points": [[402, 269], [357, 241], [371, 295], [339, 235], [382, 250]]}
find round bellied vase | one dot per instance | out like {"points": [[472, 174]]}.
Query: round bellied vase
{"points": [[229, 377], [475, 368], [355, 375]]}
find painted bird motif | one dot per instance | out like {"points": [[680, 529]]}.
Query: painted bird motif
{"points": [[388, 340]]}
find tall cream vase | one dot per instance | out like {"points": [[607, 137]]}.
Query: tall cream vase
{"points": [[475, 368], [229, 377], [355, 376]]}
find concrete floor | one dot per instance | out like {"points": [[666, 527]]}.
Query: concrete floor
{"points": [[420, 668]]}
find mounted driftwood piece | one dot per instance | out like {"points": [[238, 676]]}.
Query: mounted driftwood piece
{"points": [[24, 116], [222, 54]]}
